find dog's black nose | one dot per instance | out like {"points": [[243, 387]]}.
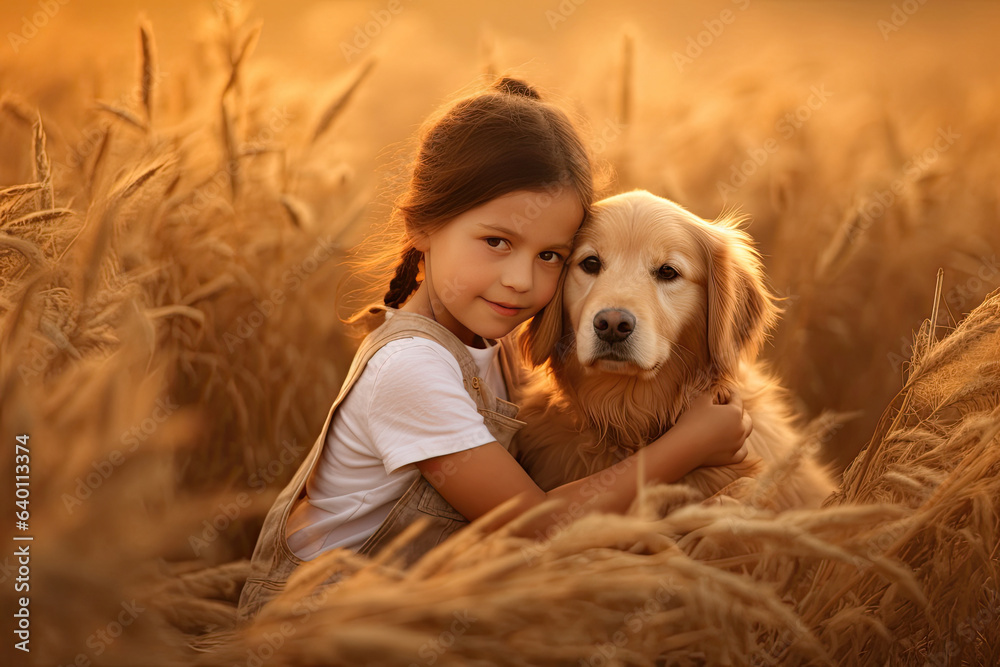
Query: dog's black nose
{"points": [[613, 326]]}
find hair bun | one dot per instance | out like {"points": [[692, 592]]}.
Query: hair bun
{"points": [[512, 86]]}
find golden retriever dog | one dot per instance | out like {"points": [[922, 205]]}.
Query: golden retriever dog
{"points": [[656, 306]]}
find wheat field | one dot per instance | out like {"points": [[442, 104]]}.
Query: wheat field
{"points": [[182, 189]]}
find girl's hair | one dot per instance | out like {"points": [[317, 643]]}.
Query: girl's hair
{"points": [[481, 147]]}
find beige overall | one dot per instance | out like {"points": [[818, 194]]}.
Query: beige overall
{"points": [[273, 561]]}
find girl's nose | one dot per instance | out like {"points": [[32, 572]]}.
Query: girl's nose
{"points": [[517, 275]]}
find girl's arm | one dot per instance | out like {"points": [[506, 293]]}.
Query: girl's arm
{"points": [[476, 480]]}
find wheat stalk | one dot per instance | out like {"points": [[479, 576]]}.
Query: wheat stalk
{"points": [[626, 80], [123, 114], [23, 189], [298, 211], [842, 246], [101, 150], [244, 51], [232, 164], [29, 250], [37, 217], [147, 75], [18, 108], [43, 173], [130, 186], [340, 103]]}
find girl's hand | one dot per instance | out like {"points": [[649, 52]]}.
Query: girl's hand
{"points": [[715, 434]]}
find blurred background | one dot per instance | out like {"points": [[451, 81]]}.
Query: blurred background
{"points": [[192, 190]]}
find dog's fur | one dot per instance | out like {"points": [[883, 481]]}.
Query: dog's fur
{"points": [[701, 330]]}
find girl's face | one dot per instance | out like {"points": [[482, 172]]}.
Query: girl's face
{"points": [[496, 265]]}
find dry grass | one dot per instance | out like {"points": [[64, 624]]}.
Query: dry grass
{"points": [[169, 248]]}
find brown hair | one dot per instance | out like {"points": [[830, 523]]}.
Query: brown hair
{"points": [[481, 147]]}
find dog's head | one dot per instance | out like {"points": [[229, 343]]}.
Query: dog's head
{"points": [[651, 284]]}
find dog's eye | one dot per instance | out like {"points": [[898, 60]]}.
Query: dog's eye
{"points": [[667, 272], [590, 264]]}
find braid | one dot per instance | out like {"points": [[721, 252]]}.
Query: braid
{"points": [[404, 282]]}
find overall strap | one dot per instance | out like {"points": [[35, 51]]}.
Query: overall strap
{"points": [[404, 324]]}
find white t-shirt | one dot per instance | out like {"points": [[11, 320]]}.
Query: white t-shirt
{"points": [[408, 405]]}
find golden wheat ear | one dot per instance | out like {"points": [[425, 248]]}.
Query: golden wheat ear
{"points": [[741, 310], [539, 339]]}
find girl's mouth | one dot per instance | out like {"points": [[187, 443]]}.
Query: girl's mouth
{"points": [[504, 309]]}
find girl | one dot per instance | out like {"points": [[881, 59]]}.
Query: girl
{"points": [[501, 184]]}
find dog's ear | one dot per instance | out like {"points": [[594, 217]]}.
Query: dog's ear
{"points": [[741, 310], [539, 339]]}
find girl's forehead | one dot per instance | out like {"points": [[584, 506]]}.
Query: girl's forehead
{"points": [[554, 216]]}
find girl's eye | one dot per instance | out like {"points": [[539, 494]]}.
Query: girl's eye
{"points": [[591, 264], [550, 256], [494, 242]]}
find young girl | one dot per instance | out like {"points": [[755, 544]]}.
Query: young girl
{"points": [[501, 184]]}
